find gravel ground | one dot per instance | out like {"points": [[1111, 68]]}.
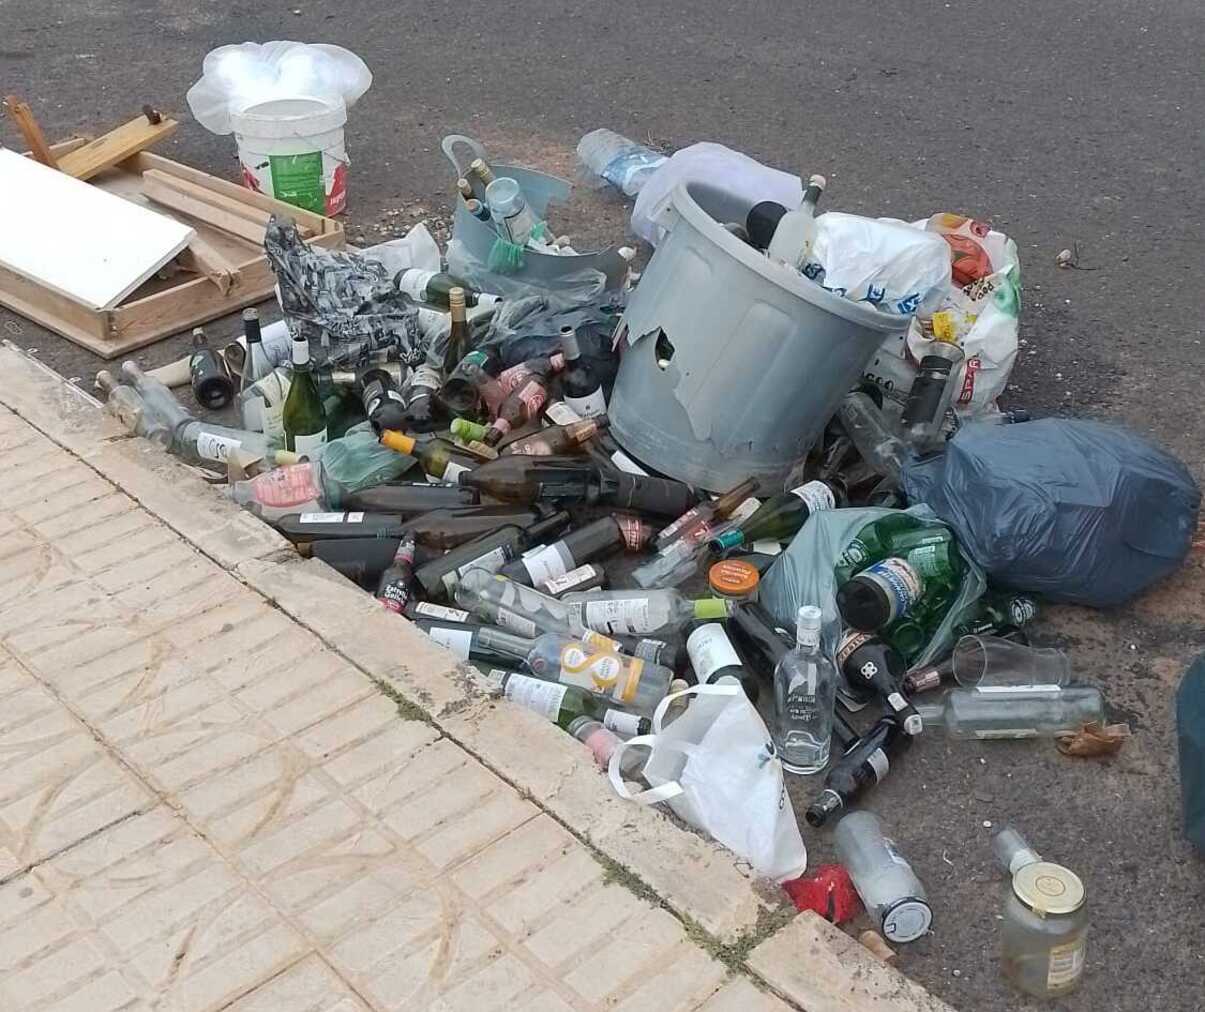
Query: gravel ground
{"points": [[1065, 125]]}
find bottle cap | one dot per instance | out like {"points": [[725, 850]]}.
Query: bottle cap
{"points": [[732, 538], [1048, 888], [809, 616], [712, 608], [733, 578], [907, 919], [456, 298], [398, 441], [569, 343]]}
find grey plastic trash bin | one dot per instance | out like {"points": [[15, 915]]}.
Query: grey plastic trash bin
{"points": [[754, 357]]}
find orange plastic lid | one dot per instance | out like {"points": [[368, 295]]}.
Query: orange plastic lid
{"points": [[733, 578]]}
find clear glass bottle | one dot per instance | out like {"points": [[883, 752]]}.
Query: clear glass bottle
{"points": [[893, 895], [126, 405], [796, 230], [805, 691], [663, 612], [1045, 920], [1013, 712]]}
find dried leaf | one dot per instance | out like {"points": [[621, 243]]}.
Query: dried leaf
{"points": [[1094, 739]]}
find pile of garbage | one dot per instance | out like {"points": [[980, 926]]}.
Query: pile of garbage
{"points": [[750, 515]]}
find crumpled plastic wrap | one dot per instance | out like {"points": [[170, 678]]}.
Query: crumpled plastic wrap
{"points": [[348, 296], [236, 77], [1075, 510]]}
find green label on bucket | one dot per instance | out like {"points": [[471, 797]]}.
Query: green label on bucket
{"points": [[297, 180]]}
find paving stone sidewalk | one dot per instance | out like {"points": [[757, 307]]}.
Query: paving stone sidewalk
{"points": [[229, 780]]}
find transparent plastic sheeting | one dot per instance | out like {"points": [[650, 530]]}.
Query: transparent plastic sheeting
{"points": [[236, 77]]}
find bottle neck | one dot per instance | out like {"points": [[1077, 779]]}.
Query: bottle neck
{"points": [[570, 347], [301, 355]]}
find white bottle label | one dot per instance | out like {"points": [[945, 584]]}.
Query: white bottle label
{"points": [[627, 724], [491, 562], [453, 472], [441, 611], [308, 443], [413, 282], [744, 510], [590, 406], [816, 496], [330, 518], [536, 694], [559, 584], [766, 547], [211, 446], [1066, 964], [710, 649], [561, 413], [457, 640], [546, 563], [627, 615], [520, 625], [253, 412], [901, 583], [625, 463], [274, 424]]}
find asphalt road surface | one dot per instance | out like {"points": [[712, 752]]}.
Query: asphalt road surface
{"points": [[1066, 125]]}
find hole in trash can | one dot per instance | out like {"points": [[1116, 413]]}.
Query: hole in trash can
{"points": [[664, 350]]}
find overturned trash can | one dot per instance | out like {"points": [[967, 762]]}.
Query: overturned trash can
{"points": [[735, 363]]}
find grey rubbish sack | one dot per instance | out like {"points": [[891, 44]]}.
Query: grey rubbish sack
{"points": [[1074, 510]]}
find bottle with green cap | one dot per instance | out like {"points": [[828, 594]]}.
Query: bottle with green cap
{"points": [[780, 517], [643, 612], [1045, 921]]}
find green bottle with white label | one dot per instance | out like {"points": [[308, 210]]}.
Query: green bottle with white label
{"points": [[780, 517], [565, 704], [304, 416]]}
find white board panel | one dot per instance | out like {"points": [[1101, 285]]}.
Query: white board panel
{"points": [[75, 238]]}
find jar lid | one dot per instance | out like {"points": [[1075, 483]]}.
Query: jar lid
{"points": [[1048, 888], [733, 578], [907, 920]]}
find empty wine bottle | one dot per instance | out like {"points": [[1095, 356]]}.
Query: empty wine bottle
{"points": [[471, 386], [780, 517], [421, 392], [566, 705], [597, 538], [603, 742], [796, 230], [304, 415], [558, 439], [488, 553], [211, 383], [159, 401], [126, 405], [438, 457], [447, 528], [660, 613], [436, 287], [302, 528], [580, 387], [545, 365], [869, 662], [713, 659], [587, 662], [384, 405], [863, 764], [1008, 712], [361, 560], [705, 513], [523, 404], [577, 580], [397, 582], [863, 421], [255, 367], [458, 335], [470, 640], [410, 498]]}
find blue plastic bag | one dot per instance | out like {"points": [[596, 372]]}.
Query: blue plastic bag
{"points": [[1074, 510]]}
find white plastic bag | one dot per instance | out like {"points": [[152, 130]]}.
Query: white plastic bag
{"points": [[717, 769], [980, 309], [235, 77], [715, 164], [893, 266]]}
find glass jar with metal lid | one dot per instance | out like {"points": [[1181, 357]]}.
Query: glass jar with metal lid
{"points": [[734, 580], [1045, 922]]}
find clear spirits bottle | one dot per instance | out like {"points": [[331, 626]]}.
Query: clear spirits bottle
{"points": [[805, 691]]}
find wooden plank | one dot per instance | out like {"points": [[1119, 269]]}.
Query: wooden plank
{"points": [[257, 215], [194, 207], [79, 240], [822, 969], [64, 316], [70, 144], [318, 223], [115, 146], [31, 130], [201, 258]]}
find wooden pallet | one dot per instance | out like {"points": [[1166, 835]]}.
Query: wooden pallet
{"points": [[224, 272]]}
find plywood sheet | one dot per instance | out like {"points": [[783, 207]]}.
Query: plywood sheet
{"points": [[76, 239]]}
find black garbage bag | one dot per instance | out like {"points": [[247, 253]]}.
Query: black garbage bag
{"points": [[1077, 511], [350, 297], [1190, 730]]}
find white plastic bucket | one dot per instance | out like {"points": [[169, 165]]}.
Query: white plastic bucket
{"points": [[292, 149]]}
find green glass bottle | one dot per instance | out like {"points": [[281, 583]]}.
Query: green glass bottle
{"points": [[780, 517], [458, 336], [563, 704], [304, 416]]}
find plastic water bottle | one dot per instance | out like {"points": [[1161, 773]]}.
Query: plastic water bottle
{"points": [[617, 160]]}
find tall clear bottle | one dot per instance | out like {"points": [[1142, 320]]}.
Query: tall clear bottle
{"points": [[126, 405], [1013, 712], [255, 367], [796, 231], [805, 691], [304, 415]]}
